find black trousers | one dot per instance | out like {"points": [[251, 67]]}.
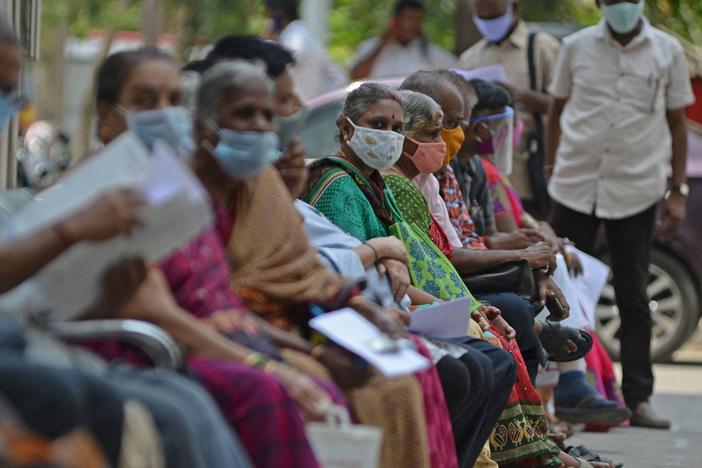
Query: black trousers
{"points": [[520, 315], [629, 241], [476, 387]]}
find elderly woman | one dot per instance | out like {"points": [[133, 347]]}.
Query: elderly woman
{"points": [[274, 267], [139, 88], [350, 191]]}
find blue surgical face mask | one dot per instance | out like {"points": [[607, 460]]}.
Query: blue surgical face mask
{"points": [[623, 17], [8, 107], [242, 155], [496, 29], [174, 125]]}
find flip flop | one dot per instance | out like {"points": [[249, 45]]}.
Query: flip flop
{"points": [[554, 337], [585, 453]]}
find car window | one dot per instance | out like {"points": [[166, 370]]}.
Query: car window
{"points": [[319, 133]]}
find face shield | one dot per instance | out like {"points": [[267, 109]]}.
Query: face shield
{"points": [[500, 145]]}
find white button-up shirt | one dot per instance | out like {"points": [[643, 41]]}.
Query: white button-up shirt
{"points": [[615, 144], [398, 60]]}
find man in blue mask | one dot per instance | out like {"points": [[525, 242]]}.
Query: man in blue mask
{"points": [[618, 119], [506, 41]]}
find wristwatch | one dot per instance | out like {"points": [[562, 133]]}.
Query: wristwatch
{"points": [[683, 189]]}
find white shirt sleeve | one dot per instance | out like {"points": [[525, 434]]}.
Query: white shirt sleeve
{"points": [[562, 81], [679, 92]]}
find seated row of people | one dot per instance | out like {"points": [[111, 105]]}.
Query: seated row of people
{"points": [[287, 246]]}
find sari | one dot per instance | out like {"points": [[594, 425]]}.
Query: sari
{"points": [[506, 199], [271, 260], [521, 434]]}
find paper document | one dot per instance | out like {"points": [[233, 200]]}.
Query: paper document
{"points": [[352, 331], [177, 211], [591, 283], [494, 73], [446, 320]]}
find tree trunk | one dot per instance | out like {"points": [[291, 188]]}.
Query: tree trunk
{"points": [[152, 21], [466, 32]]}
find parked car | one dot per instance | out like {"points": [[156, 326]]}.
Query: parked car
{"points": [[675, 280]]}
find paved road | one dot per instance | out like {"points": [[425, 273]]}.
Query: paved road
{"points": [[679, 395]]}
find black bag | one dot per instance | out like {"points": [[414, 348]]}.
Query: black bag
{"points": [[535, 146], [514, 277]]}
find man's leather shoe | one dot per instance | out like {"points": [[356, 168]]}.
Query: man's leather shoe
{"points": [[645, 416]]}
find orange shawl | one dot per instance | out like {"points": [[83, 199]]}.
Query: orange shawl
{"points": [[271, 259]]}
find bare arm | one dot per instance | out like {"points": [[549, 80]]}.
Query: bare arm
{"points": [[469, 261], [553, 133], [363, 69], [108, 216], [678, 130], [675, 209], [420, 297]]}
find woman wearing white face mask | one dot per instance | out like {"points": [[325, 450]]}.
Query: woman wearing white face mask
{"points": [[370, 127]]}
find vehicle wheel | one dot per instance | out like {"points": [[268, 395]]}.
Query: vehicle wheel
{"points": [[673, 300]]}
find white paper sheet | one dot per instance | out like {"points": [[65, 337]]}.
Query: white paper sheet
{"points": [[352, 331], [447, 320], [494, 73], [178, 210], [573, 295], [591, 283]]}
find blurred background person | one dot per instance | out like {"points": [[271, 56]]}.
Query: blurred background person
{"points": [[403, 49]]}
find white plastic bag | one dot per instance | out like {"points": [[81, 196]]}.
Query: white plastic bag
{"points": [[339, 444]]}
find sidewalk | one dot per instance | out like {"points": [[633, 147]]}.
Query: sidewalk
{"points": [[679, 396]]}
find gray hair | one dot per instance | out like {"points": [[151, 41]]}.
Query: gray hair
{"points": [[226, 77], [362, 98], [426, 83], [420, 111]]}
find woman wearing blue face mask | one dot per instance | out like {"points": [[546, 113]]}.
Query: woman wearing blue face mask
{"points": [[146, 100]]}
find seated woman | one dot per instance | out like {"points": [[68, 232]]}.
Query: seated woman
{"points": [[199, 276], [576, 400], [251, 391]]}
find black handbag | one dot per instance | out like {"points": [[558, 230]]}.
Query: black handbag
{"points": [[514, 277]]}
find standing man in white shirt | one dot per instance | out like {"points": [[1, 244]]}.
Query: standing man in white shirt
{"points": [[402, 50], [314, 73], [618, 119]]}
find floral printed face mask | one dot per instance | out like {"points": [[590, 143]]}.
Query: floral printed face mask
{"points": [[378, 149]]}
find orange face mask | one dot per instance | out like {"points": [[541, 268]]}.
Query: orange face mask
{"points": [[454, 139]]}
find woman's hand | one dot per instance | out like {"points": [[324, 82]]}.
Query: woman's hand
{"points": [[398, 276], [389, 248], [548, 289], [343, 366], [489, 316], [110, 215], [311, 400]]}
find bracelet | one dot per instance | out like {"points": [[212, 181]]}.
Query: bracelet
{"points": [[61, 232], [257, 360], [375, 252]]}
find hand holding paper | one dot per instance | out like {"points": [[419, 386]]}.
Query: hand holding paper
{"points": [[353, 332]]}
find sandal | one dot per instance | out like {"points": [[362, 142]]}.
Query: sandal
{"points": [[582, 452], [554, 337]]}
